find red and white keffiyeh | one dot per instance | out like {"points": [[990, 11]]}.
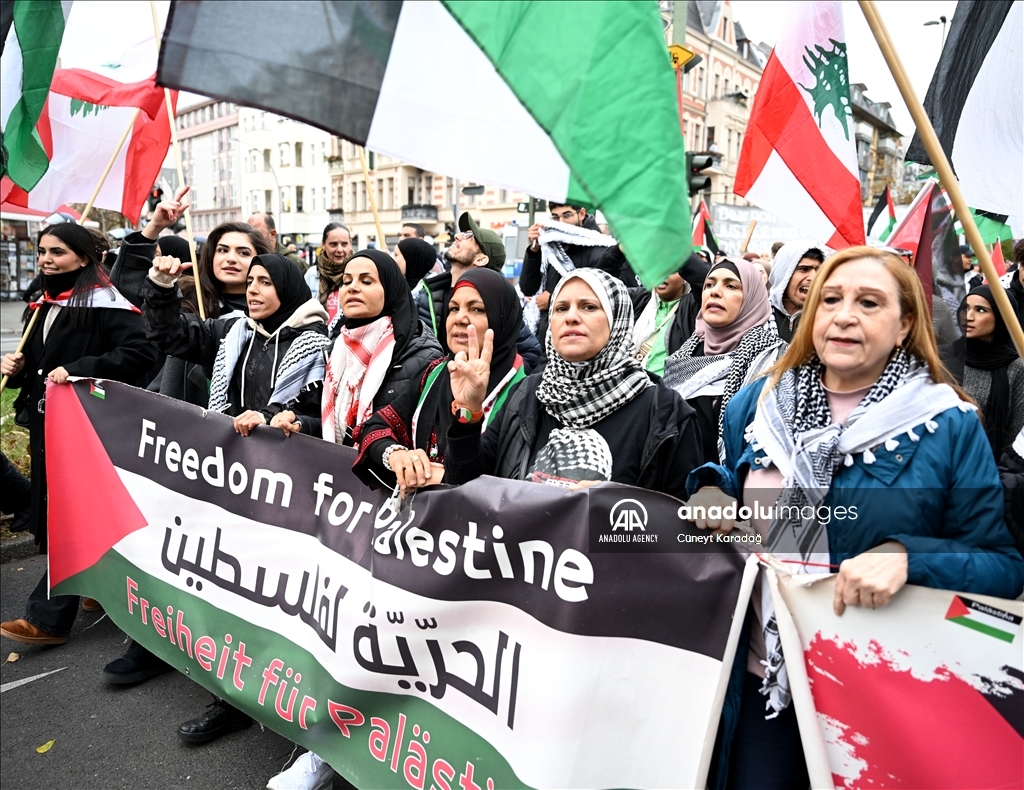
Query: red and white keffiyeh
{"points": [[355, 371]]}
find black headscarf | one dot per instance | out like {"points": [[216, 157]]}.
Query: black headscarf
{"points": [[420, 258], [175, 246], [398, 301], [995, 356], [290, 285], [504, 317]]}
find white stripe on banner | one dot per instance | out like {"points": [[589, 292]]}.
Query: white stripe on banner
{"points": [[444, 108], [579, 690], [989, 145], [777, 186]]}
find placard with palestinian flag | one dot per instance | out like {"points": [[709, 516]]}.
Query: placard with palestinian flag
{"points": [[925, 692], [493, 92], [469, 637]]}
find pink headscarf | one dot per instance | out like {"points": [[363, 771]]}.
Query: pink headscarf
{"points": [[755, 310]]}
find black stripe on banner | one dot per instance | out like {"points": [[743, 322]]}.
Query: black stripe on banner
{"points": [[319, 62], [6, 20], [974, 28]]}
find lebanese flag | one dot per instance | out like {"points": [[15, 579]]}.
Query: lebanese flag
{"points": [[799, 156], [107, 74]]}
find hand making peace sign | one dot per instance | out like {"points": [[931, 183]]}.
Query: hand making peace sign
{"points": [[471, 370]]}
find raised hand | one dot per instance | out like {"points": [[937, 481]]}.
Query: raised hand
{"points": [[171, 266], [471, 370], [166, 214]]}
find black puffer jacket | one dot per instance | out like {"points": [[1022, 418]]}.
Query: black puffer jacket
{"points": [[420, 352], [671, 450], [188, 337], [436, 287]]}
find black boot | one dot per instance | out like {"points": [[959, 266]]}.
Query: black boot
{"points": [[219, 719], [135, 666]]}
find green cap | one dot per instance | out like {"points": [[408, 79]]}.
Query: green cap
{"points": [[489, 241]]}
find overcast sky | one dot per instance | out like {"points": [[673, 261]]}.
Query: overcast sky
{"points": [[918, 46]]}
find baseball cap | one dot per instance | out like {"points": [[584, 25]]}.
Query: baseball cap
{"points": [[489, 241], [965, 249]]}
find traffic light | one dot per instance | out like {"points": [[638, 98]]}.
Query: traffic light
{"points": [[155, 195], [697, 182]]}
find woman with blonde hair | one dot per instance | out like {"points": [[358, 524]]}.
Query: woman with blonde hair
{"points": [[859, 405]]}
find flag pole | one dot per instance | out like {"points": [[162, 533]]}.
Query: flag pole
{"points": [[373, 203], [181, 176], [943, 168], [750, 232], [21, 344], [109, 167]]}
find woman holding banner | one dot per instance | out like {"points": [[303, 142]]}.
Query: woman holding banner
{"points": [[381, 347], [89, 329], [858, 416], [734, 342], [406, 441], [592, 415]]}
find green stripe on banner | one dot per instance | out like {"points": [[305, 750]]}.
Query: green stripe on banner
{"points": [[982, 628], [39, 25], [606, 95], [381, 751]]}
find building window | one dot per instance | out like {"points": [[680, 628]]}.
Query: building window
{"points": [[503, 196], [299, 195], [323, 197], [266, 160], [389, 195], [234, 195], [298, 154], [283, 154], [728, 146], [700, 82], [449, 193], [725, 89], [341, 197], [717, 86], [268, 201], [355, 189], [380, 193], [711, 137], [698, 142], [362, 196], [412, 191]]}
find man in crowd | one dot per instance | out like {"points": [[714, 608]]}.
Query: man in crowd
{"points": [[265, 226], [776, 247], [793, 272], [971, 278], [473, 247], [411, 230], [534, 281]]}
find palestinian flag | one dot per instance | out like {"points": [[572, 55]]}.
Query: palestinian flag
{"points": [[89, 106], [703, 235], [992, 226], [983, 618], [799, 156], [975, 103], [884, 201], [30, 38], [573, 102], [412, 645], [928, 232]]}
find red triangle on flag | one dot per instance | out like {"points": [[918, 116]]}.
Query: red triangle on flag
{"points": [[997, 258], [957, 608], [89, 510]]}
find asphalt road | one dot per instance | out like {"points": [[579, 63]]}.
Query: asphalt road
{"points": [[10, 325], [105, 736]]}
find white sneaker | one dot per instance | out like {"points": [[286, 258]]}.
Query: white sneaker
{"points": [[309, 772]]}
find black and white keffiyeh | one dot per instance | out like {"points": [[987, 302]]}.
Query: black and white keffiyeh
{"points": [[693, 375], [304, 363], [793, 425], [556, 235], [579, 394]]}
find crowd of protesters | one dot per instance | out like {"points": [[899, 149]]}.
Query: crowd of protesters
{"points": [[813, 378]]}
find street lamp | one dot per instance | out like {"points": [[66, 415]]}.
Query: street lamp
{"points": [[940, 21]]}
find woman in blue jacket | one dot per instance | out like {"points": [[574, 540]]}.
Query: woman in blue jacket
{"points": [[859, 413]]}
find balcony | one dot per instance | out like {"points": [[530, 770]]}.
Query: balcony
{"points": [[419, 213]]}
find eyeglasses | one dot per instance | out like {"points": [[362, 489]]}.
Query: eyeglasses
{"points": [[464, 236], [564, 216]]}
